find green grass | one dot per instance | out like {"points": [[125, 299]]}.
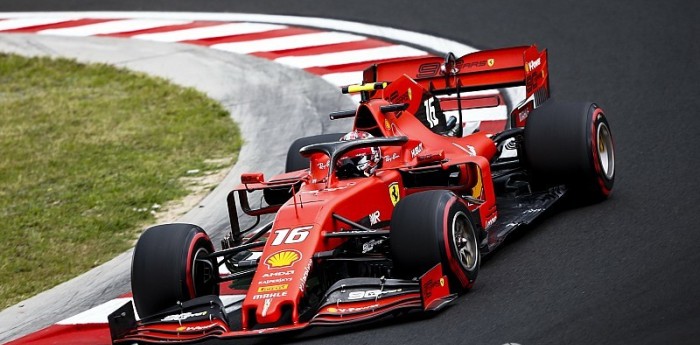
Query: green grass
{"points": [[83, 150]]}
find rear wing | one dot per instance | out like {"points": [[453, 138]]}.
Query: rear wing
{"points": [[482, 70]]}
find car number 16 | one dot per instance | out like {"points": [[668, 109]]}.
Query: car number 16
{"points": [[290, 236]]}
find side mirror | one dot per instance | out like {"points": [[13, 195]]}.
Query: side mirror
{"points": [[430, 157], [250, 178]]}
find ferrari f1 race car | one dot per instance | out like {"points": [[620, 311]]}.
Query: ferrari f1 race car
{"points": [[393, 216]]}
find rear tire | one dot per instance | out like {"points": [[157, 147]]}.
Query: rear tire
{"points": [[434, 227], [295, 161], [571, 143], [166, 270]]}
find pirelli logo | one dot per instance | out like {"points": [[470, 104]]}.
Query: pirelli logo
{"points": [[272, 288]]}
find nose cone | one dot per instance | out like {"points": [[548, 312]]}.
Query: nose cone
{"points": [[277, 288], [280, 278]]}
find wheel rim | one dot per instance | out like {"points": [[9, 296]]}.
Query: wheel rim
{"points": [[202, 273], [606, 153], [464, 239]]}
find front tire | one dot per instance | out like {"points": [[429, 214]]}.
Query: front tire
{"points": [[571, 143], [434, 227], [169, 267]]}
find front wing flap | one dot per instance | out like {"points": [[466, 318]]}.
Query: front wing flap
{"points": [[359, 299], [197, 319]]}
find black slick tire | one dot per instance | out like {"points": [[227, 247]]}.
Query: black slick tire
{"points": [[295, 161], [168, 267], [434, 227], [571, 143]]}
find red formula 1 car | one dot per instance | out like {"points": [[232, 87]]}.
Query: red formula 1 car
{"points": [[395, 216]]}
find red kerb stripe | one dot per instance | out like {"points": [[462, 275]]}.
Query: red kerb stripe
{"points": [[161, 29], [252, 36], [329, 48], [357, 66], [90, 334], [60, 25]]}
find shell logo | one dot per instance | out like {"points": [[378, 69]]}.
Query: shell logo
{"points": [[282, 259], [332, 310]]}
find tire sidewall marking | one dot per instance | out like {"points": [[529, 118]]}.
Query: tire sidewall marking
{"points": [[598, 119], [189, 278], [448, 244]]}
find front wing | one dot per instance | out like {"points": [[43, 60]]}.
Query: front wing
{"points": [[347, 301]]}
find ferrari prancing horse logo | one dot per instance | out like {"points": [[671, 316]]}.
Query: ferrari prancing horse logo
{"points": [[394, 193], [491, 62]]}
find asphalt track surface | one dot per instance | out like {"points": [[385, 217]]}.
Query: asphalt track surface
{"points": [[621, 272]]}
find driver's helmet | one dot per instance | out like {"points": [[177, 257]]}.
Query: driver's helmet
{"points": [[358, 162]]}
